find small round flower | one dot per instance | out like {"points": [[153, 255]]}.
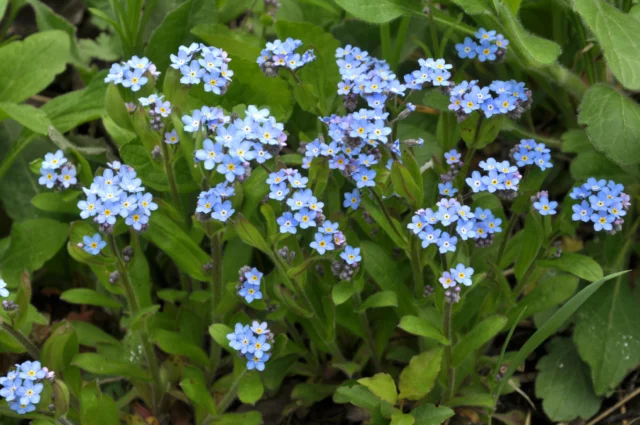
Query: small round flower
{"points": [[4, 292], [29, 393], [250, 292], [259, 328], [93, 244], [48, 177], [462, 274], [31, 371], [447, 280], [544, 207], [253, 276], [172, 137], [257, 363], [53, 161], [466, 49], [452, 157], [447, 243], [352, 199], [351, 255], [322, 243]]}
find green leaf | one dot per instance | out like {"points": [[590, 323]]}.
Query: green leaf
{"points": [[90, 335], [473, 399], [61, 202], [194, 387], [179, 345], [403, 183], [250, 388], [248, 418], [99, 365], [250, 235], [487, 133], [219, 334], [580, 265], [549, 292], [482, 333], [428, 414], [89, 297], [474, 7], [382, 385], [33, 242], [531, 242], [418, 326], [613, 123], [358, 396], [563, 383], [236, 43], [617, 33], [608, 337], [378, 215], [171, 239], [28, 67], [419, 377], [115, 106], [551, 325], [399, 418], [380, 11], [341, 292], [28, 116], [310, 394], [60, 348], [80, 229], [380, 299]]}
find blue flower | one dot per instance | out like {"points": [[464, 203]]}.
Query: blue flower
{"points": [[287, 223], [259, 328], [250, 292], [447, 280], [172, 137], [93, 245], [48, 177], [582, 212], [116, 74], [11, 385], [137, 63], [222, 211], [22, 409], [180, 60], [137, 219], [501, 41], [240, 338], [475, 182], [447, 215], [466, 49], [192, 123], [192, 74], [352, 199], [452, 157], [429, 236], [466, 229], [163, 108], [493, 225], [544, 207], [484, 35], [260, 346], [211, 154], [602, 220], [417, 225], [364, 177], [257, 363], [462, 274], [278, 191], [31, 371], [486, 51], [306, 218], [506, 103], [446, 243], [134, 79], [447, 189], [469, 103], [107, 212], [297, 181], [351, 255], [29, 393], [464, 212], [53, 161], [4, 293], [523, 157], [300, 199], [231, 168], [253, 276], [494, 181], [328, 227], [322, 243]]}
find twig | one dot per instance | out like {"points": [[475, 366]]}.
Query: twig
{"points": [[614, 407]]}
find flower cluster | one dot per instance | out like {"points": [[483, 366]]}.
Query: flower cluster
{"points": [[450, 279], [500, 97], [490, 46], [249, 287], [199, 63], [256, 137], [253, 343], [56, 171], [92, 244], [132, 73], [602, 203], [432, 72], [528, 152], [502, 178], [117, 192], [214, 202], [158, 110], [281, 54], [22, 387], [478, 225]]}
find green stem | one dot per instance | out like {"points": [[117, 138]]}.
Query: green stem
{"points": [[517, 130], [448, 352], [432, 29], [587, 57], [216, 297], [134, 308], [401, 38], [505, 238], [173, 187], [17, 148], [364, 321], [31, 348], [416, 267], [386, 213], [385, 40], [472, 150], [231, 393]]}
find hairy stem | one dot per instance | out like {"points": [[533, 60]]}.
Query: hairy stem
{"points": [[364, 321], [173, 186], [216, 297], [416, 267], [31, 348]]}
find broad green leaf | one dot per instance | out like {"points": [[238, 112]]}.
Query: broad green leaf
{"points": [[357, 395], [482, 333], [428, 414], [608, 337], [563, 383], [195, 388], [250, 388], [60, 348], [404, 184], [28, 67], [91, 335], [30, 117], [531, 243], [89, 297], [612, 122], [77, 107], [171, 239], [397, 235], [33, 242], [580, 265], [219, 334], [177, 344], [382, 385], [247, 418], [380, 299], [576, 141], [551, 325], [473, 399], [548, 293], [61, 202], [99, 365], [617, 33], [236, 43], [474, 7], [380, 11], [418, 326], [61, 397], [419, 377], [399, 418], [341, 292], [115, 106], [479, 137], [250, 235], [310, 394]]}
